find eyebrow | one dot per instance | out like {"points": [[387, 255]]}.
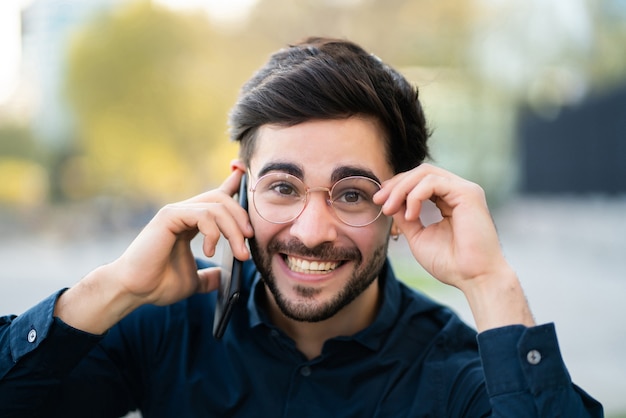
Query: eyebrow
{"points": [[338, 173], [289, 168], [350, 170]]}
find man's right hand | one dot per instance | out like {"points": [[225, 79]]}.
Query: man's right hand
{"points": [[159, 267]]}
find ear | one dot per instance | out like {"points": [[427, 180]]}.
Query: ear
{"points": [[237, 164], [395, 231]]}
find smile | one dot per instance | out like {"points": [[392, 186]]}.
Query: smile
{"points": [[300, 265]]}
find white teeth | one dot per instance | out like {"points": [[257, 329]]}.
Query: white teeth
{"points": [[311, 267]]}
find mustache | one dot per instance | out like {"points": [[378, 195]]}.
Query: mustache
{"points": [[324, 251]]}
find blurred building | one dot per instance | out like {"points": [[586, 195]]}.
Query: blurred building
{"points": [[582, 149], [47, 28]]}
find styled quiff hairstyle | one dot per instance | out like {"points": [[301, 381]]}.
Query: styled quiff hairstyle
{"points": [[322, 78]]}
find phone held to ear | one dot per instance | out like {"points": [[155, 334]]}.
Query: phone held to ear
{"points": [[230, 278]]}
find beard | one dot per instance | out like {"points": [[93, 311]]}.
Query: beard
{"points": [[306, 308]]}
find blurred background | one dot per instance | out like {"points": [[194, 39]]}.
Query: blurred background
{"points": [[111, 108]]}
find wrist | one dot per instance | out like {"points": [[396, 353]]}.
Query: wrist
{"points": [[95, 303], [497, 300]]}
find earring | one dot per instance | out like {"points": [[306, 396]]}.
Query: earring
{"points": [[395, 232]]}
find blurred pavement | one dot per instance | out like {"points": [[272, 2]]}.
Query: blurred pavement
{"points": [[570, 254]]}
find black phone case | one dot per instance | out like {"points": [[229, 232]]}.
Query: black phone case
{"points": [[230, 285]]}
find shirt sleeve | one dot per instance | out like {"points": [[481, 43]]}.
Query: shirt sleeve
{"points": [[37, 351], [525, 374]]}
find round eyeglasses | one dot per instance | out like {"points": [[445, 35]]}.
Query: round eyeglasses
{"points": [[280, 198]]}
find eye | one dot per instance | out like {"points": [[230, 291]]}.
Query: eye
{"points": [[355, 192], [281, 189], [351, 196], [284, 189]]}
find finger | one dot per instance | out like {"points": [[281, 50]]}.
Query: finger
{"points": [[224, 195], [416, 187], [208, 279], [431, 188], [229, 187], [220, 220], [401, 184], [406, 195], [212, 220], [386, 188], [427, 169], [406, 226]]}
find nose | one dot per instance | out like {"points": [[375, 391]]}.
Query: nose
{"points": [[317, 223]]}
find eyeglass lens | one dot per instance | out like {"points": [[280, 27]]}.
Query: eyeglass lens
{"points": [[281, 198]]}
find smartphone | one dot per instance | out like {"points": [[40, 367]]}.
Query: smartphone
{"points": [[230, 278]]}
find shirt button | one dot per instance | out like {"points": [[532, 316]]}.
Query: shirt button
{"points": [[274, 333], [533, 357], [305, 371], [32, 336]]}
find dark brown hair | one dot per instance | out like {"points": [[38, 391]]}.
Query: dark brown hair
{"points": [[322, 78]]}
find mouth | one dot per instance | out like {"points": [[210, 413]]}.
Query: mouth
{"points": [[300, 265]]}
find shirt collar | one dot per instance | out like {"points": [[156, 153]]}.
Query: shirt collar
{"points": [[256, 313], [374, 335]]}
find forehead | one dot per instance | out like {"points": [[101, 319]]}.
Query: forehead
{"points": [[320, 149]]}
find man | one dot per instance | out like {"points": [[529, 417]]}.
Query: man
{"points": [[332, 141]]}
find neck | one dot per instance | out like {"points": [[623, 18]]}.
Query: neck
{"points": [[311, 336]]}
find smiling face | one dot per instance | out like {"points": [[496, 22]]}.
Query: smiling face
{"points": [[315, 265]]}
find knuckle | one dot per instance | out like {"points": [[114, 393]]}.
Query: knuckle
{"points": [[167, 210], [475, 188]]}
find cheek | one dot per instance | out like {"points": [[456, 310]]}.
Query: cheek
{"points": [[371, 238], [263, 230]]}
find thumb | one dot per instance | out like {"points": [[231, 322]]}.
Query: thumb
{"points": [[209, 279]]}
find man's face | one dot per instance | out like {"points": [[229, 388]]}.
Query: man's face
{"points": [[348, 259]]}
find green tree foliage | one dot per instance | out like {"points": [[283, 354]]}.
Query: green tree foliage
{"points": [[150, 92], [607, 61], [23, 178], [402, 32], [18, 141]]}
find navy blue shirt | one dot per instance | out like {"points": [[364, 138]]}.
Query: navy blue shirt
{"points": [[417, 359]]}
